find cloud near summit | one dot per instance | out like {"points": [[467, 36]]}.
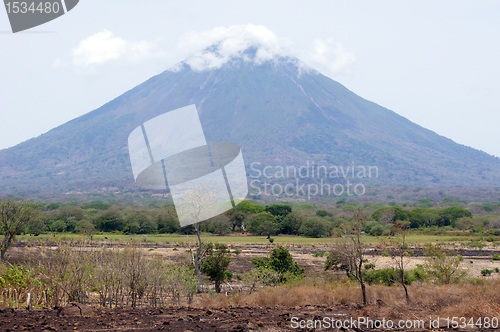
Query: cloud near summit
{"points": [[207, 50], [211, 49]]}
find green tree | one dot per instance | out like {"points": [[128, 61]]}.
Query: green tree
{"points": [[281, 261], [395, 213], [167, 221], [87, 228], [140, 222], [215, 264], [249, 208], [236, 218], [450, 215], [280, 211], [36, 227], [264, 224], [110, 220], [315, 227], [219, 225], [292, 223], [324, 213], [415, 218], [444, 267], [14, 215]]}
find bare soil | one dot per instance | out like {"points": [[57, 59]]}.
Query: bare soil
{"points": [[77, 317]]}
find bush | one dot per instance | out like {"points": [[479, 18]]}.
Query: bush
{"points": [[377, 230], [318, 254], [215, 264], [280, 260], [323, 213], [475, 244], [442, 266], [486, 272], [494, 232], [390, 276], [381, 276], [496, 257], [476, 281]]}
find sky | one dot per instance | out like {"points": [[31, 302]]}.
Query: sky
{"points": [[433, 62]]}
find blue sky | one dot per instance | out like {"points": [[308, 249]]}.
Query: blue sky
{"points": [[435, 63]]}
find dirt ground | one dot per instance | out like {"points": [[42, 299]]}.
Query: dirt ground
{"points": [[77, 317], [234, 319]]}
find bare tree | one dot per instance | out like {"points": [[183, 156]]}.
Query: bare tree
{"points": [[399, 251], [14, 215], [349, 252], [195, 202]]}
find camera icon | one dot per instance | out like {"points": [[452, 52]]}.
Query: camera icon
{"points": [[170, 151]]}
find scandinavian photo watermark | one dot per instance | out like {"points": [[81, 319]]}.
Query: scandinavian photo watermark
{"points": [[310, 179], [336, 322]]}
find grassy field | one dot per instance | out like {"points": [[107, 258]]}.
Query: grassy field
{"points": [[413, 239]]}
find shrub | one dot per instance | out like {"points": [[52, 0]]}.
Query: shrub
{"points": [[495, 232], [496, 257], [475, 244], [280, 260], [382, 276], [215, 264], [486, 272], [318, 254], [390, 276], [476, 281], [377, 230], [323, 213], [442, 266]]}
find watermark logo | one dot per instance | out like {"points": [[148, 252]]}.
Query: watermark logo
{"points": [[310, 180], [170, 151], [25, 15]]}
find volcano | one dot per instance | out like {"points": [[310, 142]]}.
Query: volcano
{"points": [[279, 111]]}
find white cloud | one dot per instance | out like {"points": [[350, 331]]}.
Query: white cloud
{"points": [[329, 56], [104, 47], [211, 49]]}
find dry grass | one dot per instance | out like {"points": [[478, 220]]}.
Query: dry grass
{"points": [[464, 300]]}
